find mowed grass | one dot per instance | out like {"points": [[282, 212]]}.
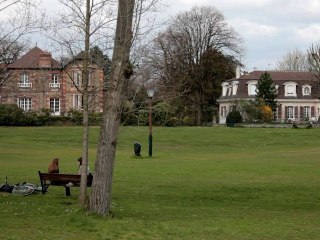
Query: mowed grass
{"points": [[201, 183]]}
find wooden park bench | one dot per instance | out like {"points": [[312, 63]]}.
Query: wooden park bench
{"points": [[59, 179]]}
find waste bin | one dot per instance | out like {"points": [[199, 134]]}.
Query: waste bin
{"points": [[137, 149]]}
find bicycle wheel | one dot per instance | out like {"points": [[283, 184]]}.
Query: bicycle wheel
{"points": [[22, 190], [34, 186]]}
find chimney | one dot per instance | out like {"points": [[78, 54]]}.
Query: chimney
{"points": [[238, 71], [45, 60]]}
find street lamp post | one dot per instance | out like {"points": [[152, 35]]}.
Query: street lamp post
{"points": [[150, 93]]}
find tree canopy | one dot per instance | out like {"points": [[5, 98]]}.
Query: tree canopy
{"points": [[191, 58]]}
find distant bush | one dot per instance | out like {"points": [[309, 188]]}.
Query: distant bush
{"points": [[11, 115], [267, 114], [234, 116], [187, 121]]}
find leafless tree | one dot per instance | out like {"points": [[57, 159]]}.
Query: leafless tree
{"points": [[295, 60], [177, 53], [121, 70], [19, 19], [314, 59], [128, 18], [81, 26]]}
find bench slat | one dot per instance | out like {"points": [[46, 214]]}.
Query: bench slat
{"points": [[60, 179]]}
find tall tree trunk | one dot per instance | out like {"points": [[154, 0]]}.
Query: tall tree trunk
{"points": [[85, 137], [100, 198], [198, 107]]}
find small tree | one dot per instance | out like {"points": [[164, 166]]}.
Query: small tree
{"points": [[267, 91], [234, 116], [266, 113]]}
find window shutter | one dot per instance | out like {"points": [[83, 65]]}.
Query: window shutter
{"points": [[312, 112], [286, 112], [301, 113], [296, 116], [279, 111]]}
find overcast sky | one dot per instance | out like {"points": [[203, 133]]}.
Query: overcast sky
{"points": [[269, 28]]}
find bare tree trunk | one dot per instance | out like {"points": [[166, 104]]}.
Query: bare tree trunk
{"points": [[85, 138], [100, 198], [198, 104]]}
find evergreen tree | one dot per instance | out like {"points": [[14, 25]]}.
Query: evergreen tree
{"points": [[267, 91]]}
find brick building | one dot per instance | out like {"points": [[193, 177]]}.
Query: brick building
{"points": [[37, 81]]}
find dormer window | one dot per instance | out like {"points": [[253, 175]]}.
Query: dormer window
{"points": [[235, 85], [224, 88], [252, 86], [306, 90], [290, 89]]}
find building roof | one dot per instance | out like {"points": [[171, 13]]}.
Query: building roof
{"points": [[279, 78], [280, 75], [31, 60]]}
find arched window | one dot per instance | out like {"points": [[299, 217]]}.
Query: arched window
{"points": [[290, 89], [252, 86], [306, 90]]}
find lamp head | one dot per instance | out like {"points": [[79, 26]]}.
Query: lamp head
{"points": [[150, 93]]}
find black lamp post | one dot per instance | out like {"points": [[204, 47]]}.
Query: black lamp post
{"points": [[150, 93]]}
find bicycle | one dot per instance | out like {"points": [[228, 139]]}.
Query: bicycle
{"points": [[23, 189]]}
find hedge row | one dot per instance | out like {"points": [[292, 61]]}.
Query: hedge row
{"points": [[12, 115]]}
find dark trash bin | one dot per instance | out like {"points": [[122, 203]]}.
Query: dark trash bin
{"points": [[137, 149]]}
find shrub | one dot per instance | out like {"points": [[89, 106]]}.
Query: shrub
{"points": [[11, 115], [75, 116], [234, 116], [266, 113], [163, 113], [187, 121]]}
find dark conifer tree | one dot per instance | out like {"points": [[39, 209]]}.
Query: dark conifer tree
{"points": [[267, 91]]}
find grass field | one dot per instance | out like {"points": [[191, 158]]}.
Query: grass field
{"points": [[202, 183]]}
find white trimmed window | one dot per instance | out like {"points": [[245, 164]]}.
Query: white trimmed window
{"points": [[306, 90], [306, 111], [91, 78], [290, 112], [24, 104], [252, 86], [77, 79], [223, 111], [24, 81], [55, 81], [290, 89], [77, 101], [55, 105], [235, 85], [224, 88]]}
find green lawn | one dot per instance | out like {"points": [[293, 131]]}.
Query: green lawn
{"points": [[202, 183]]}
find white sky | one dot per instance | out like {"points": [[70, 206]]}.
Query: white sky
{"points": [[269, 28]]}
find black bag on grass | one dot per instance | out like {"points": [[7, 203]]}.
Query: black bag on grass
{"points": [[6, 188]]}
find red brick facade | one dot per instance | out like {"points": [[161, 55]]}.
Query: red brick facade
{"points": [[37, 81]]}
